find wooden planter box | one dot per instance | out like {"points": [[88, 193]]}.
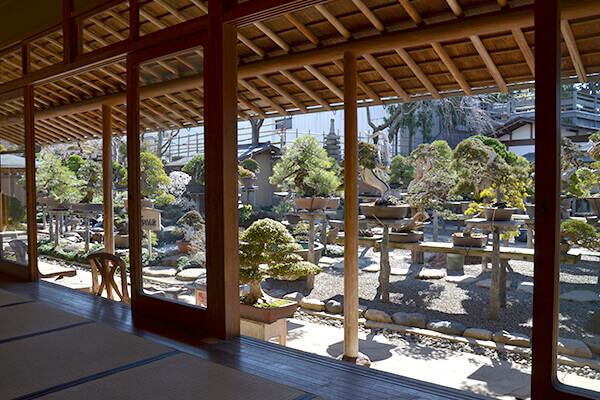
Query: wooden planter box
{"points": [[268, 315]]}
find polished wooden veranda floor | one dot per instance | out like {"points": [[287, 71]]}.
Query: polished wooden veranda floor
{"points": [[57, 343]]}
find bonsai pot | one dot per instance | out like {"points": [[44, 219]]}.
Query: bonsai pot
{"points": [[406, 237], [333, 203], [334, 223], [122, 241], [304, 252], [498, 214], [249, 182], [87, 207], [595, 205], [475, 240], [530, 210], [311, 203], [184, 247], [268, 315], [385, 212]]}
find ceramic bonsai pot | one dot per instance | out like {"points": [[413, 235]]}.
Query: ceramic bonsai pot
{"points": [[334, 223], [311, 203], [474, 240], [333, 203], [249, 182], [406, 237], [268, 315], [498, 214], [122, 241], [384, 212], [530, 210], [184, 247], [304, 252]]}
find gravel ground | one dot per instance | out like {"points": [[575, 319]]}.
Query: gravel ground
{"points": [[466, 304]]}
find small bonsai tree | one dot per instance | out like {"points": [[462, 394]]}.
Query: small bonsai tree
{"points": [[306, 168], [53, 178], [570, 163], [195, 168], [245, 173], [191, 222], [251, 165], [90, 174], [74, 162], [580, 233], [267, 249], [373, 173], [401, 171]]}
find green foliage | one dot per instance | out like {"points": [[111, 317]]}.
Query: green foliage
{"points": [[152, 175], [195, 168], [285, 206], [367, 155], [333, 250], [192, 219], [245, 173], [570, 165], [13, 212], [499, 148], [74, 163], [119, 171], [251, 165], [244, 212], [90, 174], [267, 249], [47, 248], [580, 233], [58, 181], [306, 168], [301, 231], [186, 263], [164, 200]]}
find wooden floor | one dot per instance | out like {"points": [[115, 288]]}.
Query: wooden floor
{"points": [[309, 373]]}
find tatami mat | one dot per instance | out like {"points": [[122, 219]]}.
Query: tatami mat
{"points": [[39, 362], [30, 318], [7, 298], [180, 377]]}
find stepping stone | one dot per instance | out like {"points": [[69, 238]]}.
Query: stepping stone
{"points": [[515, 339], [190, 274], [400, 318], [593, 324], [525, 287], [448, 327], [431, 274], [482, 334], [487, 283], [327, 260], [312, 304], [295, 296], [573, 347], [338, 266], [581, 296], [161, 271], [378, 316], [399, 271], [171, 260], [593, 343], [334, 307], [372, 268], [460, 279], [417, 320]]}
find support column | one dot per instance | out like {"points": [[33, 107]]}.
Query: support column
{"points": [[32, 270], [221, 175], [350, 211], [107, 173]]}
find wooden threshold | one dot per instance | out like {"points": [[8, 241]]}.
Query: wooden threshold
{"points": [[323, 376]]}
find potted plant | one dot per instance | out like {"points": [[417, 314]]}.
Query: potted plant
{"points": [[578, 232], [192, 222], [301, 236], [267, 249], [195, 168], [122, 235], [410, 232], [247, 177], [373, 173], [572, 186], [592, 179], [250, 164], [306, 169], [495, 177]]}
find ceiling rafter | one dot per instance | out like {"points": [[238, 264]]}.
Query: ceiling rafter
{"points": [[303, 29], [455, 7], [282, 92], [294, 79], [489, 63], [325, 81], [449, 63], [571, 43], [333, 21], [525, 49], [273, 36], [389, 79], [411, 11], [250, 87], [418, 72], [361, 84], [370, 15]]}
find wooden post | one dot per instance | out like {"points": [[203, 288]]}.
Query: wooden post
{"points": [[384, 274], [32, 270], [350, 211], [495, 284], [1, 204], [547, 205], [107, 173], [221, 176]]}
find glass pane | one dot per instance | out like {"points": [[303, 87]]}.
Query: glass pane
{"points": [[172, 181], [13, 218]]}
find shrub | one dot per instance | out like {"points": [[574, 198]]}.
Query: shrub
{"points": [[195, 168], [244, 213], [74, 163], [251, 165], [401, 173], [245, 173]]}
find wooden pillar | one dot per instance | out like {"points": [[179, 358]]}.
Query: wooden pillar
{"points": [[384, 273], [495, 284], [547, 205], [107, 173], [222, 272], [350, 211], [1, 204], [32, 270]]}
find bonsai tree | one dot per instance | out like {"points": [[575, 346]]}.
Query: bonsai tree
{"points": [[433, 187], [401, 171], [90, 174], [581, 233], [245, 173], [267, 249], [58, 181], [74, 162], [153, 180], [306, 168], [195, 168], [570, 162], [491, 177], [372, 172], [251, 165], [191, 222]]}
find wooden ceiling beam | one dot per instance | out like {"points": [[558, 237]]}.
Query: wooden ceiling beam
{"points": [[458, 76], [325, 81], [387, 77], [302, 28], [67, 130], [455, 7], [503, 3], [418, 72], [173, 111], [525, 49], [273, 36], [252, 107], [282, 92], [183, 104], [250, 44], [569, 38], [361, 84], [250, 87], [158, 111], [489, 63], [153, 20], [333, 20], [302, 86], [411, 11], [366, 11]]}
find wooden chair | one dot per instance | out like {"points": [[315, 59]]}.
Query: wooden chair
{"points": [[20, 249], [107, 264]]}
